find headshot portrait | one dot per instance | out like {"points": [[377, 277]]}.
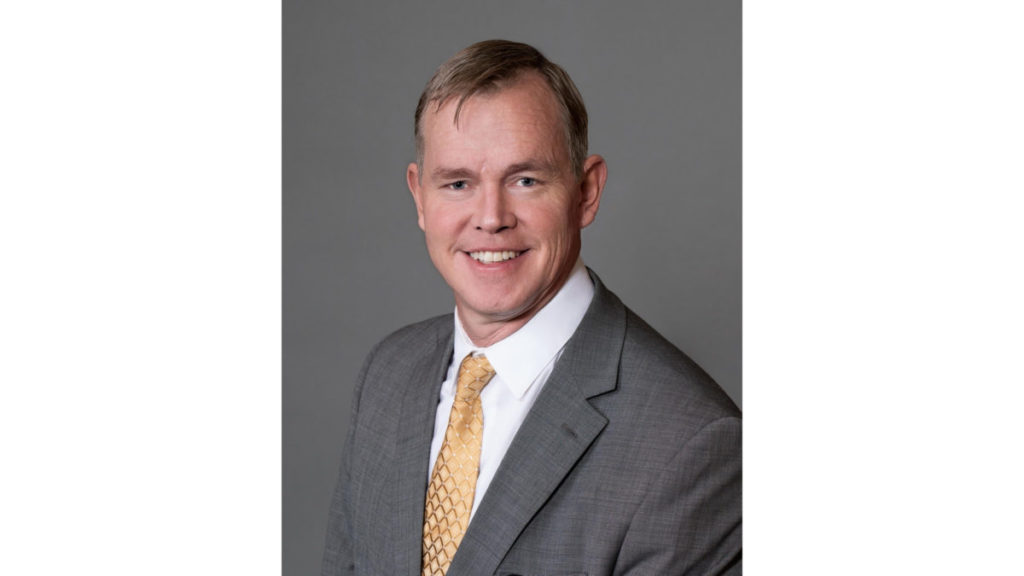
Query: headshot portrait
{"points": [[512, 279]]}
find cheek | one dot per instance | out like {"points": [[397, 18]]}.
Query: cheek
{"points": [[440, 223], [555, 224]]}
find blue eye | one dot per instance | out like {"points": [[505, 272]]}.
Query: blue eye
{"points": [[527, 181], [458, 185]]}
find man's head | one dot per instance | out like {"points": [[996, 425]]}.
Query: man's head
{"points": [[498, 193]]}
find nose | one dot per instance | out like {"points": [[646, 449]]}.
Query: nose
{"points": [[494, 211]]}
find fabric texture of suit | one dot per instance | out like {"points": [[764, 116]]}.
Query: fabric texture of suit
{"points": [[629, 462]]}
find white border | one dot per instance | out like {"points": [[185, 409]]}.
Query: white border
{"points": [[140, 303], [883, 244]]}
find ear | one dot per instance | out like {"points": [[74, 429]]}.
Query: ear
{"points": [[595, 172], [412, 179]]}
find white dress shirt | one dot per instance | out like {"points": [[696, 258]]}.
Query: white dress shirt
{"points": [[522, 363]]}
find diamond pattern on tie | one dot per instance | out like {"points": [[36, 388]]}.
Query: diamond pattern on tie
{"points": [[453, 481]]}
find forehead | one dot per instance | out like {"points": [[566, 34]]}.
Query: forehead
{"points": [[522, 117]]}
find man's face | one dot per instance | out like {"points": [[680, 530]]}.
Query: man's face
{"points": [[499, 203]]}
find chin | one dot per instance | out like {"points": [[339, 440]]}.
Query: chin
{"points": [[502, 310], [497, 312]]}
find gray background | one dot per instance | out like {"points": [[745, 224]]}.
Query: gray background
{"points": [[661, 82]]}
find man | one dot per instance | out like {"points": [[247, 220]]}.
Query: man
{"points": [[543, 428]]}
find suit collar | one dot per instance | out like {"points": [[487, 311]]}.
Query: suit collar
{"points": [[559, 428]]}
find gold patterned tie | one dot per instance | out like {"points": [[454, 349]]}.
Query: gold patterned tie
{"points": [[453, 482]]}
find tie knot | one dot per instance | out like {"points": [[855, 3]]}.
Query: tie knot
{"points": [[474, 374]]}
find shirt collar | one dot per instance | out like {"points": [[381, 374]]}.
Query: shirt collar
{"points": [[521, 356]]}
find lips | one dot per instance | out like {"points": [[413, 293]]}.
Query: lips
{"points": [[490, 257]]}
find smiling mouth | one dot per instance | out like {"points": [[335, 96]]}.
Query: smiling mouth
{"points": [[492, 257]]}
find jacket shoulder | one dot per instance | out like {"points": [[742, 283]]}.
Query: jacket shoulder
{"points": [[414, 336], [402, 351], [667, 371]]}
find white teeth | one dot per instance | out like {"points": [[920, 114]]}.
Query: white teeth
{"points": [[490, 257]]}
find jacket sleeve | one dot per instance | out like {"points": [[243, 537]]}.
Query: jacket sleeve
{"points": [[338, 554], [690, 522]]}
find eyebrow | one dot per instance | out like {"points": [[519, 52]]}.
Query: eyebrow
{"points": [[530, 166], [443, 173]]}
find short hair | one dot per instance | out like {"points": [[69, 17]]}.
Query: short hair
{"points": [[490, 65]]}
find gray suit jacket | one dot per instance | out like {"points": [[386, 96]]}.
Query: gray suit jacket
{"points": [[628, 463]]}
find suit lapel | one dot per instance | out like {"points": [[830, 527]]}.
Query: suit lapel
{"points": [[556, 433], [415, 430]]}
